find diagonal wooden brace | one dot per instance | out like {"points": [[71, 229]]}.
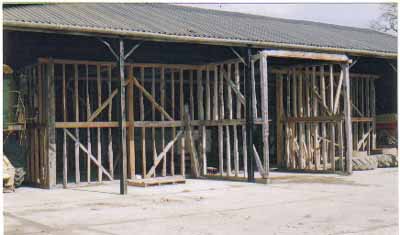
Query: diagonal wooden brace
{"points": [[163, 154], [258, 162], [102, 106], [234, 87], [88, 153], [151, 99]]}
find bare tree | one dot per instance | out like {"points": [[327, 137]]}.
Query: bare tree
{"points": [[387, 21]]}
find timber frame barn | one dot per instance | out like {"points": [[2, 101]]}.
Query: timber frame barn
{"points": [[153, 92]]}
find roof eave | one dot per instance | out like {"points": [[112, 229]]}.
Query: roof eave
{"points": [[90, 31]]}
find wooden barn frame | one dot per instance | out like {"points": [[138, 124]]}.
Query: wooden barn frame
{"points": [[91, 115]]}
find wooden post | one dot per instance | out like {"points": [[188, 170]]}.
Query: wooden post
{"points": [[201, 116], [323, 125], [122, 118], [317, 156], [208, 117], [38, 175], [368, 112], [347, 116], [65, 156], [215, 95], [332, 124], [208, 95], [288, 114], [235, 127], [230, 116], [279, 120], [362, 109], [131, 129], [308, 125], [173, 116], [89, 141], [191, 98], [249, 119], [341, 146], [356, 103], [293, 125], [76, 106], [141, 100], [221, 117], [373, 114], [100, 171], [301, 125], [264, 111], [162, 89], [110, 150], [153, 117], [253, 91], [51, 131], [182, 113]]}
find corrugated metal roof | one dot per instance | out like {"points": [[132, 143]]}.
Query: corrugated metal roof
{"points": [[165, 19]]}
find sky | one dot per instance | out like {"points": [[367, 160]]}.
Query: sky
{"points": [[356, 14]]}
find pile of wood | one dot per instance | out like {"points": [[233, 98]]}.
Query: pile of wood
{"points": [[8, 175], [12, 177]]}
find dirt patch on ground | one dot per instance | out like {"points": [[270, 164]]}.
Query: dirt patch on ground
{"points": [[313, 179]]}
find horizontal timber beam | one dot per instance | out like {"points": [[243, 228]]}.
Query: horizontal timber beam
{"points": [[306, 55], [155, 124]]}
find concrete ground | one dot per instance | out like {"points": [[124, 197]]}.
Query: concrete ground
{"points": [[364, 203]]}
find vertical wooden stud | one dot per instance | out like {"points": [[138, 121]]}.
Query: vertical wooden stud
{"points": [[323, 125], [173, 116], [76, 105], [373, 114], [235, 127], [131, 129], [162, 89], [279, 120], [110, 142], [99, 160], [347, 116], [153, 116], [89, 141], [141, 100], [182, 113], [230, 117], [264, 111], [65, 156], [332, 124], [51, 130], [221, 117]]}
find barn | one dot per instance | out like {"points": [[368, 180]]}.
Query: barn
{"points": [[153, 93]]}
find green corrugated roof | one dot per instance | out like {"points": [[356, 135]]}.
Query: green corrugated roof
{"points": [[158, 20]]}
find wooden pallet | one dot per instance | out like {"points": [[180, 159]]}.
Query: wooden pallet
{"points": [[157, 181]]}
